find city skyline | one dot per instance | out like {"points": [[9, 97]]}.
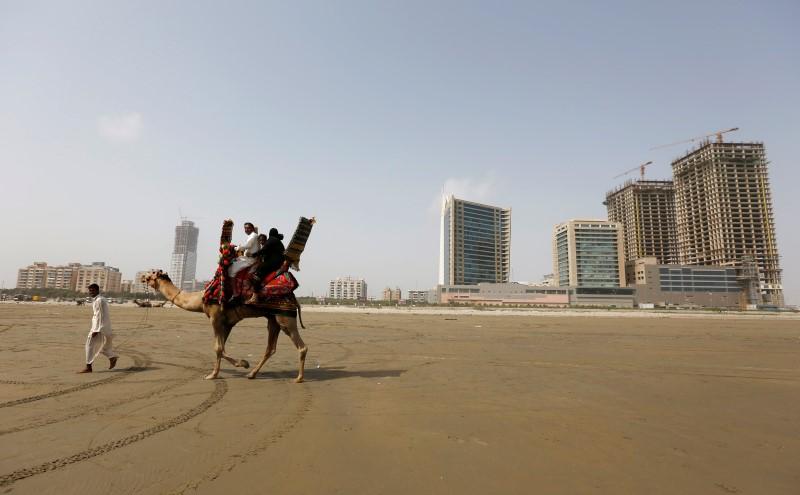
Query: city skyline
{"points": [[292, 112]]}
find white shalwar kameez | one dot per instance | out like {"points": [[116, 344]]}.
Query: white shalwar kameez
{"points": [[99, 339], [249, 248]]}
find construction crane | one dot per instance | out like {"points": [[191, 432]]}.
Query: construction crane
{"points": [[698, 138], [640, 168]]}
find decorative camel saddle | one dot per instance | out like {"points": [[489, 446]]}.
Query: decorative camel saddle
{"points": [[275, 290]]}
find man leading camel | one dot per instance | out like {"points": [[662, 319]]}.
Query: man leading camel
{"points": [[99, 338]]}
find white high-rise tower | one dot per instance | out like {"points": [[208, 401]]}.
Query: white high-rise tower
{"points": [[184, 255]]}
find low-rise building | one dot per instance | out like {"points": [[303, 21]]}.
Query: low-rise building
{"points": [[603, 297], [506, 294], [684, 285], [418, 296], [395, 295]]}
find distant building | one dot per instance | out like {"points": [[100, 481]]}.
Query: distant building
{"points": [[348, 288], [685, 285], [646, 210], [40, 275], [475, 243], [125, 286], [548, 280], [183, 264], [107, 277], [723, 207], [588, 253], [418, 296], [513, 294], [390, 294]]}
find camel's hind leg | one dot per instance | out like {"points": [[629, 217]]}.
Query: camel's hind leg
{"points": [[289, 327], [274, 330]]}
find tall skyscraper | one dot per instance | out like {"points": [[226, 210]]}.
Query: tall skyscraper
{"points": [[184, 255], [724, 213], [646, 210], [588, 253], [475, 243]]}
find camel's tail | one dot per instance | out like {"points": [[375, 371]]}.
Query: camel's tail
{"points": [[299, 313]]}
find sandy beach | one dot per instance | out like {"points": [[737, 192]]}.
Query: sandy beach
{"points": [[399, 402]]}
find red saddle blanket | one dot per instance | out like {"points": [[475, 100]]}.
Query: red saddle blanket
{"points": [[273, 287]]}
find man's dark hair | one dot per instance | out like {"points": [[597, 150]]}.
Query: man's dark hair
{"points": [[94, 286], [262, 236], [250, 224]]}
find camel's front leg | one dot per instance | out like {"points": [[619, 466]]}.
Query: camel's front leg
{"points": [[222, 329], [219, 346], [289, 326], [274, 330]]}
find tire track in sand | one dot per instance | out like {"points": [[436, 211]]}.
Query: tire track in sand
{"points": [[104, 407], [110, 405], [296, 415], [140, 361], [220, 389]]}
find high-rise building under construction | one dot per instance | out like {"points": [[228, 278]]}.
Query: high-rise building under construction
{"points": [[646, 210], [724, 212], [183, 263]]}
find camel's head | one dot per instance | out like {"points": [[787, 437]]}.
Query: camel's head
{"points": [[154, 277]]}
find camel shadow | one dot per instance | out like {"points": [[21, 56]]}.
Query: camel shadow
{"points": [[323, 374]]}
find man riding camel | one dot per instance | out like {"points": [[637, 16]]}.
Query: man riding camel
{"points": [[246, 251], [270, 258]]}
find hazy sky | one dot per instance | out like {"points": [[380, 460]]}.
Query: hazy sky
{"points": [[115, 118]]}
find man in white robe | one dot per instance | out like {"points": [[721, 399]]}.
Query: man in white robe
{"points": [[99, 339], [247, 251]]}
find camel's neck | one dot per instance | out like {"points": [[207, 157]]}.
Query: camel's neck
{"points": [[190, 301]]}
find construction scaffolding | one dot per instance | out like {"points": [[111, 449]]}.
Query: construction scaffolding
{"points": [[749, 282]]}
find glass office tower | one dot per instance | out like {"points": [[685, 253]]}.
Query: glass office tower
{"points": [[475, 243], [588, 253]]}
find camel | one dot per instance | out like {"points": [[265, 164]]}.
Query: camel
{"points": [[149, 304], [223, 320]]}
